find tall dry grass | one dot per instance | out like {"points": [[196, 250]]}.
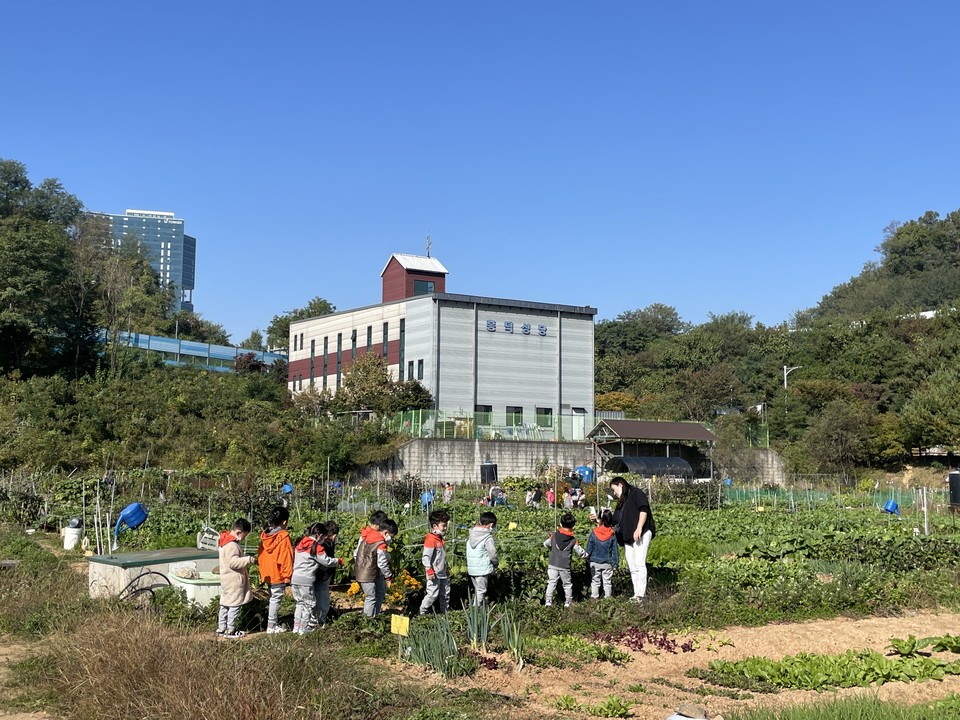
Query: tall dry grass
{"points": [[128, 665]]}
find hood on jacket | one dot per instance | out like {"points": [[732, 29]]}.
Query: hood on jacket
{"points": [[478, 535], [603, 532], [227, 537], [306, 543], [371, 535], [271, 539]]}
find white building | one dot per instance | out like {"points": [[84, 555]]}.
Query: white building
{"points": [[510, 366]]}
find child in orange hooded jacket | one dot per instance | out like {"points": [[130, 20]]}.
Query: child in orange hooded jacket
{"points": [[275, 558], [604, 555]]}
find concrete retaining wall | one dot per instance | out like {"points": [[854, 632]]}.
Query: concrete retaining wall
{"points": [[456, 461]]}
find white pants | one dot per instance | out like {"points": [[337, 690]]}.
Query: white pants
{"points": [[601, 572], [554, 575], [374, 594], [636, 554], [277, 591], [306, 602], [227, 619], [438, 591], [479, 588]]}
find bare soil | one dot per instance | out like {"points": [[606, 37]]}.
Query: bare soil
{"points": [[594, 682]]}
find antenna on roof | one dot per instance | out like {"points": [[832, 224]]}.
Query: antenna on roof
{"points": [[428, 245]]}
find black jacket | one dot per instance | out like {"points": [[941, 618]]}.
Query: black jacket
{"points": [[627, 516]]}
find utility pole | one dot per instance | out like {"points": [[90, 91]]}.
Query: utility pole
{"points": [[786, 371]]}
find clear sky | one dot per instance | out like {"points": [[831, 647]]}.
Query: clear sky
{"points": [[713, 156]]}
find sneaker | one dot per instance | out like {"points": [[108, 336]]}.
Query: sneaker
{"points": [[566, 605], [235, 635], [276, 629], [638, 599], [219, 633]]}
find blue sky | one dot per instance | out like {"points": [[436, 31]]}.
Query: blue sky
{"points": [[712, 156]]}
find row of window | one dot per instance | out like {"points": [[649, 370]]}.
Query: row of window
{"points": [[543, 416]]}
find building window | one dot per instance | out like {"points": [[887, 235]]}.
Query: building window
{"points": [[353, 344], [313, 358], [545, 417], [514, 415], [325, 350], [403, 330], [419, 369], [410, 370], [483, 414], [386, 329], [339, 357], [423, 287], [370, 337], [294, 343], [301, 341]]}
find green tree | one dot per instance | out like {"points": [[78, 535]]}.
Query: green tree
{"points": [[34, 266], [254, 341], [634, 330], [278, 331], [191, 326], [932, 414], [838, 438]]}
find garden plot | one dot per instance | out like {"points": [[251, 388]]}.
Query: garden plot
{"points": [[655, 684]]}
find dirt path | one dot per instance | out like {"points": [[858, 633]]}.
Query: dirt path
{"points": [[657, 700]]}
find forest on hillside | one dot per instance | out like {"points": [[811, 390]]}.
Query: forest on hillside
{"points": [[859, 381]]}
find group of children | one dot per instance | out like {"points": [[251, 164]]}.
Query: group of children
{"points": [[308, 565]]}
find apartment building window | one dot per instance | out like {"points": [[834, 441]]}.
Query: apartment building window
{"points": [[353, 344], [301, 341], [339, 358], [514, 415], [370, 337], [403, 331], [386, 329], [325, 351], [313, 358], [294, 343]]}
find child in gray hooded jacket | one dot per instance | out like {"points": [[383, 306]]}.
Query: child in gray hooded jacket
{"points": [[562, 545], [482, 557], [309, 557]]}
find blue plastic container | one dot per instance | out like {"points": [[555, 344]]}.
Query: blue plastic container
{"points": [[287, 489], [892, 507], [133, 516], [585, 472]]}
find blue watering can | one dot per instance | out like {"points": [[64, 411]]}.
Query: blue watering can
{"points": [[133, 516], [892, 508]]}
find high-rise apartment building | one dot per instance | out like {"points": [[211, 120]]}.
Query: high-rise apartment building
{"points": [[172, 253]]}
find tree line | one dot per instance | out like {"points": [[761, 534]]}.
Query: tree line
{"points": [[873, 373]]}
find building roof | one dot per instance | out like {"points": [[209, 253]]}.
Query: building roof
{"points": [[417, 263], [608, 430]]}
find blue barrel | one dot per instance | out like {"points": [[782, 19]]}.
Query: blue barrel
{"points": [[892, 507]]}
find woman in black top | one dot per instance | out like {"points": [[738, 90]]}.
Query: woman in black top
{"points": [[635, 530]]}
